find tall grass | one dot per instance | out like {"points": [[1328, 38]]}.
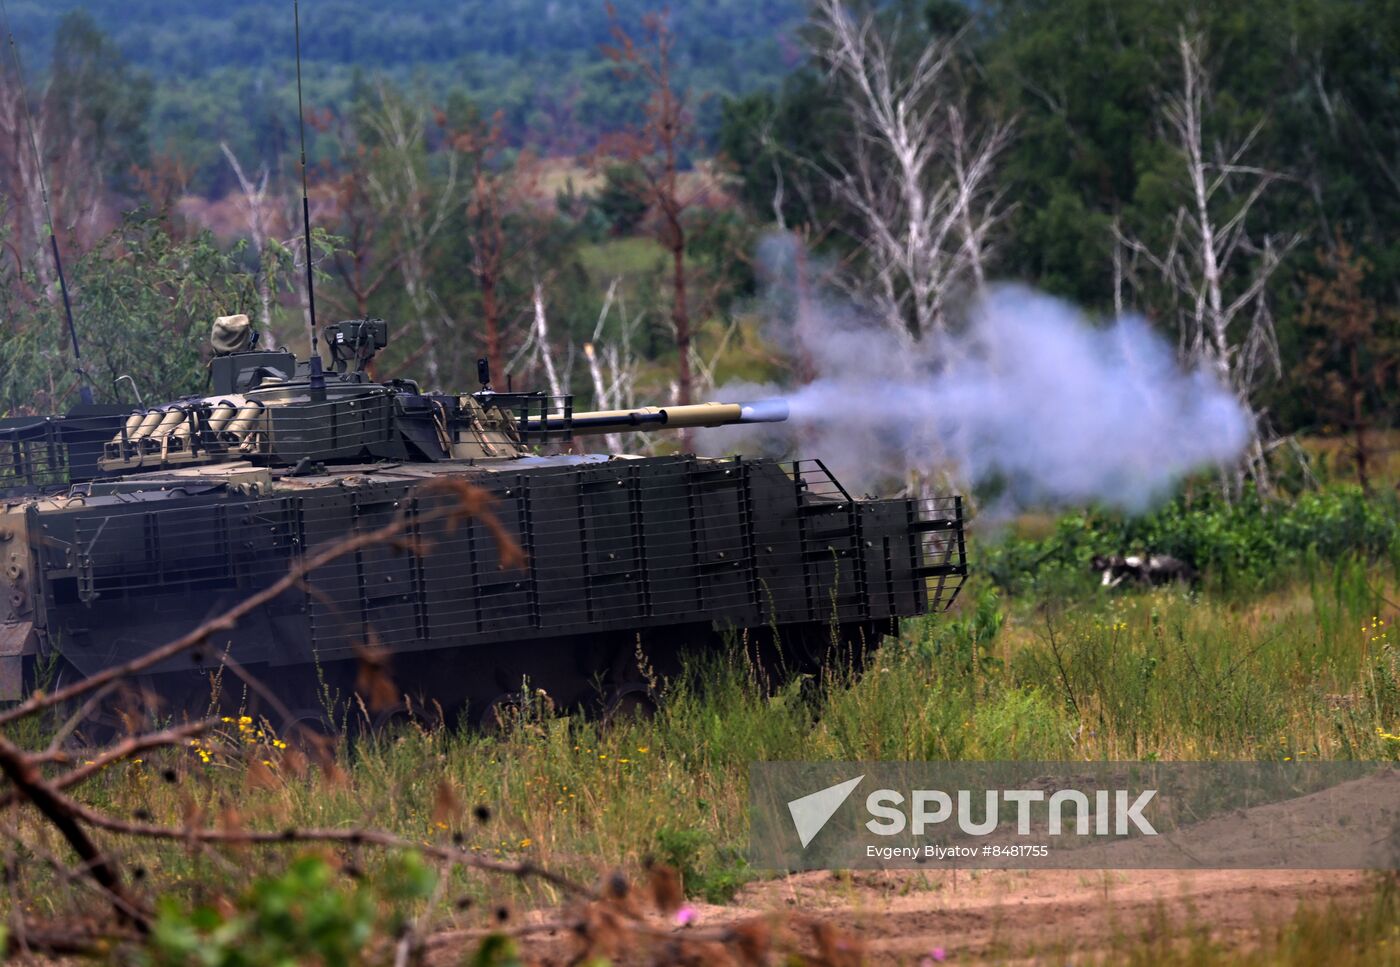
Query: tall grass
{"points": [[1311, 670], [1330, 935]]}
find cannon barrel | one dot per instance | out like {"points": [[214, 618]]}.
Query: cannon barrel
{"points": [[667, 417]]}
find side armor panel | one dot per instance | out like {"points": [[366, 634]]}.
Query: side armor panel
{"points": [[608, 546]]}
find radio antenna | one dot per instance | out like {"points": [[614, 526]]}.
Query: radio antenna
{"points": [[305, 204], [84, 389]]}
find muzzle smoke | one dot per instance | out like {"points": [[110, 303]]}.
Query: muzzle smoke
{"points": [[1027, 399]]}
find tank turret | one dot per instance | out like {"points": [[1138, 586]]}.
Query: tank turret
{"points": [[267, 407]]}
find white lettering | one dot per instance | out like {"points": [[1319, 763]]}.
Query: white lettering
{"points": [[1134, 812], [965, 822], [893, 819], [1081, 811], [922, 817], [1023, 799]]}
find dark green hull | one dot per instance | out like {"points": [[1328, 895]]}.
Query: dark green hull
{"points": [[617, 551]]}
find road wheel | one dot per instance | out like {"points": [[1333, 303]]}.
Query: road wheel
{"points": [[404, 714], [634, 701]]}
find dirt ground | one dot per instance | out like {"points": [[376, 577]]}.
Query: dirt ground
{"points": [[905, 916], [1004, 916], [924, 917]]}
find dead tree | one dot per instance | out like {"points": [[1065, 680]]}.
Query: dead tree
{"points": [[163, 182], [1353, 357], [501, 223], [51, 134], [541, 334], [654, 148], [1220, 302], [612, 368], [918, 177], [255, 206]]}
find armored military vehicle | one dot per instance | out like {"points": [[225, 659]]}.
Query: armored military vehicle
{"points": [[121, 529]]}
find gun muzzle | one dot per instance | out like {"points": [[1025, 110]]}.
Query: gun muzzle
{"points": [[763, 411], [669, 417]]}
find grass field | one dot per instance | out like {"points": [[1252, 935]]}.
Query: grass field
{"points": [[1308, 669]]}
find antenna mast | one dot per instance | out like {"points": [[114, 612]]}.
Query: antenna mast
{"points": [[305, 204], [84, 390]]}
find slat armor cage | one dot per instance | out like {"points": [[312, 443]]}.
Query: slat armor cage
{"points": [[610, 546]]}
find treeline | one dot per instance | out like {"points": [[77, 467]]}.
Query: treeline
{"points": [[1122, 176], [225, 72], [428, 212], [1230, 172]]}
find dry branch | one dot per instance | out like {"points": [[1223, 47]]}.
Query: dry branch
{"points": [[602, 918]]}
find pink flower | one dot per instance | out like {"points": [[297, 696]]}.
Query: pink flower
{"points": [[935, 956], [686, 915]]}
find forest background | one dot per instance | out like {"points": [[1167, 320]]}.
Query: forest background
{"points": [[581, 193], [642, 206]]}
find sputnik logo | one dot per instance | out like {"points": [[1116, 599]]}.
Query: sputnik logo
{"points": [[812, 812]]}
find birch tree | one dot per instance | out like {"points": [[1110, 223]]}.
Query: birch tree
{"points": [[918, 174], [400, 186], [1215, 273], [612, 367], [255, 212]]}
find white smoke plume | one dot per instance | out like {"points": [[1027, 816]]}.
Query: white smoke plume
{"points": [[1027, 399]]}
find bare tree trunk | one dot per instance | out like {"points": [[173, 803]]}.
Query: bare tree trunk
{"points": [[680, 320], [655, 148], [254, 199], [1211, 297], [490, 320], [603, 395], [919, 183], [556, 388]]}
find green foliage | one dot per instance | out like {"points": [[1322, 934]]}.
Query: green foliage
{"points": [[1246, 545], [536, 61], [304, 913], [962, 646], [716, 878], [143, 304], [1086, 82], [720, 244], [772, 137], [103, 104], [496, 950], [622, 198]]}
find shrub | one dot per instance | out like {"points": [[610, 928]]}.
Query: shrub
{"points": [[304, 913], [1248, 545]]}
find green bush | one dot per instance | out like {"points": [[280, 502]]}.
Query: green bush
{"points": [[715, 880], [1248, 545], [304, 913]]}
